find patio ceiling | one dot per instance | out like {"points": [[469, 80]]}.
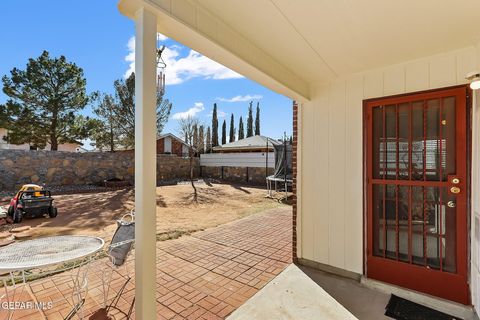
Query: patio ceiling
{"points": [[287, 45], [321, 39]]}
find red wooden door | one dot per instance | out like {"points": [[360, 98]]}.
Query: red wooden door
{"points": [[417, 182]]}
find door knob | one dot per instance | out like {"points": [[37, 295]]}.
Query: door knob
{"points": [[451, 204], [455, 190]]}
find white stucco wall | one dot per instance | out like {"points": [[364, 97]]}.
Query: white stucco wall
{"points": [[331, 222], [68, 147], [3, 134], [5, 145]]}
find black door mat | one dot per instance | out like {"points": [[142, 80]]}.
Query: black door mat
{"points": [[402, 309]]}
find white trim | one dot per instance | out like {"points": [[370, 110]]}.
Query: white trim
{"points": [[171, 135]]}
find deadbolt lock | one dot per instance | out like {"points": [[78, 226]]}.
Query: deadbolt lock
{"points": [[455, 181], [455, 190], [451, 204]]}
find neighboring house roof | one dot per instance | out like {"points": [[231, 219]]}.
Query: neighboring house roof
{"points": [[250, 143], [171, 135]]}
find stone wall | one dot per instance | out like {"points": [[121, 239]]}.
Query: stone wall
{"points": [[55, 168], [248, 175]]}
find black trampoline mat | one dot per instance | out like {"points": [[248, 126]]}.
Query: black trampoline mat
{"points": [[402, 309]]}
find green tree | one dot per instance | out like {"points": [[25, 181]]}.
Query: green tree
{"points": [[257, 120], [105, 133], [4, 117], [44, 101], [232, 129], [224, 132], [208, 141], [125, 110], [195, 136], [241, 132], [201, 139], [250, 121], [214, 126]]}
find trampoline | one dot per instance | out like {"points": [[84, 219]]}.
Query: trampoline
{"points": [[282, 177]]}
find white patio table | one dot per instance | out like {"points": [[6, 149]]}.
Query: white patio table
{"points": [[21, 261]]}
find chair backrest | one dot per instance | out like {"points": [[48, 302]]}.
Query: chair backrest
{"points": [[122, 240]]}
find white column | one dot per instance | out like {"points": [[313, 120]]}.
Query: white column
{"points": [[145, 164]]}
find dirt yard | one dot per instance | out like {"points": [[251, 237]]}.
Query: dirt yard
{"points": [[95, 213]]}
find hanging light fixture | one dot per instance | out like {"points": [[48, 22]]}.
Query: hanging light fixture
{"points": [[474, 78], [161, 65]]}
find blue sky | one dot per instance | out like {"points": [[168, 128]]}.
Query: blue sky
{"points": [[95, 36]]}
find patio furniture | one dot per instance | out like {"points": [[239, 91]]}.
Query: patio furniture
{"points": [[22, 261], [118, 251]]}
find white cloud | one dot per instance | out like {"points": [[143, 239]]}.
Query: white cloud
{"points": [[180, 69], [192, 112], [241, 98], [220, 114], [130, 56]]}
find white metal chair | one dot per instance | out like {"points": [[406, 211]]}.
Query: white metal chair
{"points": [[118, 251]]}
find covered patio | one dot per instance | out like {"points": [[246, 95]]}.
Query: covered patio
{"points": [[336, 60], [204, 276]]}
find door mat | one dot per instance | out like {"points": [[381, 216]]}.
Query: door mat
{"points": [[402, 309]]}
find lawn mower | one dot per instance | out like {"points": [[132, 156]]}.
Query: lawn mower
{"points": [[31, 201]]}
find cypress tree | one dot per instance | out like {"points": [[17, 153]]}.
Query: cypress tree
{"points": [[208, 142], [214, 126], [224, 132], [195, 136], [250, 121], [201, 139], [257, 120], [241, 133], [232, 129]]}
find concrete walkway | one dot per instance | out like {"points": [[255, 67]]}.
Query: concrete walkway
{"points": [[204, 276], [292, 295]]}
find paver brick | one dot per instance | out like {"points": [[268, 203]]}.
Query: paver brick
{"points": [[204, 276]]}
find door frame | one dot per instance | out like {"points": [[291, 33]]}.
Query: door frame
{"points": [[465, 299]]}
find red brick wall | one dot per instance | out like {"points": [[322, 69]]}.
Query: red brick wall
{"points": [[176, 147], [160, 146], [294, 185]]}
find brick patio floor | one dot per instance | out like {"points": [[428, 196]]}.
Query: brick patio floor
{"points": [[203, 276]]}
